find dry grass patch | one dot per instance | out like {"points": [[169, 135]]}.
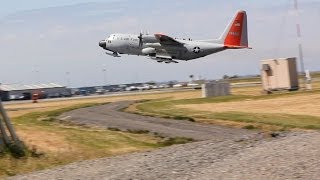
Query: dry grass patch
{"points": [[44, 141], [249, 91], [302, 104]]}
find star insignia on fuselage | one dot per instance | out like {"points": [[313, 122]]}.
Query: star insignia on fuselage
{"points": [[196, 49]]}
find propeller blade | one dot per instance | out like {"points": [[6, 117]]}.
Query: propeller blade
{"points": [[140, 40]]}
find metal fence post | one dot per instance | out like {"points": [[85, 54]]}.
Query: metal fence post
{"points": [[8, 123], [3, 133]]}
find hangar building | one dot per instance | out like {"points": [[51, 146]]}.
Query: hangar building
{"points": [[25, 92]]}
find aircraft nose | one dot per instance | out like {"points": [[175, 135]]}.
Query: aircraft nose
{"points": [[102, 44]]}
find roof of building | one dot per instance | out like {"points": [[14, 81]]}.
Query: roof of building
{"points": [[18, 87]]}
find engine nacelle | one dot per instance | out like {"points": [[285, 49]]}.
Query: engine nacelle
{"points": [[149, 39], [148, 51]]}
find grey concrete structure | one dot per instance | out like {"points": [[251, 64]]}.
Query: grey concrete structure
{"points": [[213, 89]]}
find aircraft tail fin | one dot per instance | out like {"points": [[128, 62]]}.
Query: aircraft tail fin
{"points": [[235, 36]]}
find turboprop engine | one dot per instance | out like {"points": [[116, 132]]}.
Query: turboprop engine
{"points": [[146, 39], [149, 51], [149, 39]]}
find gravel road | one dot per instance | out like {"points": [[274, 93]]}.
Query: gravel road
{"points": [[223, 153], [109, 116]]}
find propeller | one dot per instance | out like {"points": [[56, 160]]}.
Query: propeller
{"points": [[140, 39]]}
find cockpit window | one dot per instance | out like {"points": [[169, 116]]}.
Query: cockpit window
{"points": [[111, 37]]}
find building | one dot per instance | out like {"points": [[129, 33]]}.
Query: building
{"points": [[279, 74], [214, 89], [25, 92]]}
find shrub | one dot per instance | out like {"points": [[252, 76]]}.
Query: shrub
{"points": [[249, 127], [139, 131], [175, 140], [183, 118]]}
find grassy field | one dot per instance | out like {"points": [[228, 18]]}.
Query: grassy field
{"points": [[298, 109], [51, 143]]}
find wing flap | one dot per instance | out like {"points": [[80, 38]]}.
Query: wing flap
{"points": [[167, 40]]}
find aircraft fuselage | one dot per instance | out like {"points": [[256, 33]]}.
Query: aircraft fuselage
{"points": [[129, 44], [163, 48]]}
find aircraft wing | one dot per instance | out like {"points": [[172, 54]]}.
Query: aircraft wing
{"points": [[167, 40]]}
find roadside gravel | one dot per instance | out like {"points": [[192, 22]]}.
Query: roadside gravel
{"points": [[295, 156]]}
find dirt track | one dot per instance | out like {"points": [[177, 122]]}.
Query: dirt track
{"points": [[109, 116]]}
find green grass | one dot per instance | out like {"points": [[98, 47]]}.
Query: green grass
{"points": [[166, 109], [284, 120]]}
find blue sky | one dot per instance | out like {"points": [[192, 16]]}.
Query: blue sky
{"points": [[8, 7], [42, 40]]}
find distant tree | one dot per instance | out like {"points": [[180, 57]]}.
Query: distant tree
{"points": [[151, 83], [191, 76], [171, 83], [234, 77], [225, 76]]}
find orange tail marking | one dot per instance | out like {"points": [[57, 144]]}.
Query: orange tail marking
{"points": [[234, 35]]}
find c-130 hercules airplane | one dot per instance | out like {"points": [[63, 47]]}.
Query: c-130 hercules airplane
{"points": [[163, 48]]}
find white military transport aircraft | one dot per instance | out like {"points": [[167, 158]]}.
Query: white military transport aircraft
{"points": [[163, 48]]}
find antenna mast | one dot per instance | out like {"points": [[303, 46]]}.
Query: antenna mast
{"points": [[299, 41]]}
